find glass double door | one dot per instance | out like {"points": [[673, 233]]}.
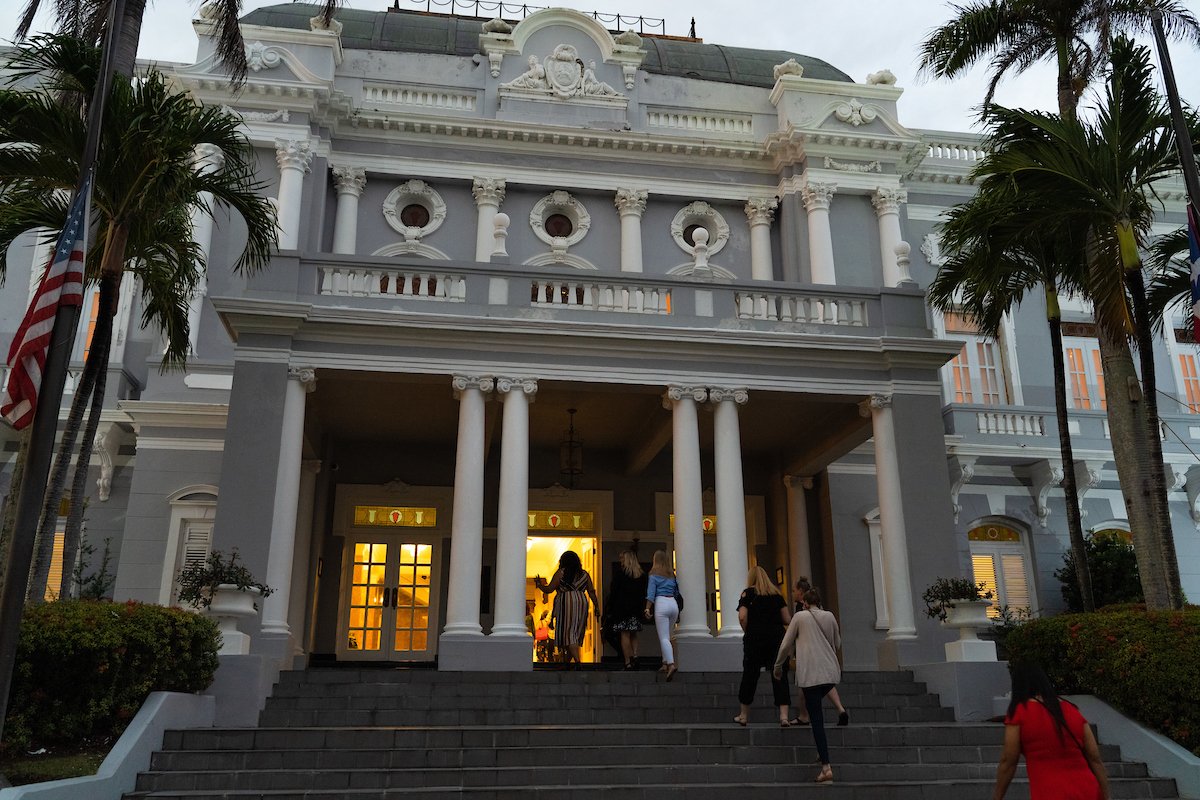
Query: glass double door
{"points": [[388, 610]]}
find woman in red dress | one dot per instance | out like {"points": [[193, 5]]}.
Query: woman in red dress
{"points": [[1061, 754]]}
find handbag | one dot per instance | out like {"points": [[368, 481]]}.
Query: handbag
{"points": [[678, 597]]}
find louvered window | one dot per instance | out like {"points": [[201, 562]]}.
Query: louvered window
{"points": [[197, 540], [999, 561]]}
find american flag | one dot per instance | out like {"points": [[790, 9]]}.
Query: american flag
{"points": [[62, 285], [1194, 261]]}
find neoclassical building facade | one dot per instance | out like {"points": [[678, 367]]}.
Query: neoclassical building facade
{"points": [[541, 286]]}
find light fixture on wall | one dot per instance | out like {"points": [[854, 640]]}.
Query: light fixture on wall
{"points": [[570, 452]]}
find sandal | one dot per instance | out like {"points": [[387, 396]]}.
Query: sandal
{"points": [[825, 775], [785, 723], [671, 670], [843, 719], [797, 722], [740, 720]]}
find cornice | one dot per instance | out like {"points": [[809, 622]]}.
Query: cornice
{"points": [[793, 83], [165, 414]]}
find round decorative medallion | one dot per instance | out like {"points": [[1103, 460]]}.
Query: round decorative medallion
{"points": [[699, 215], [559, 220], [414, 209]]}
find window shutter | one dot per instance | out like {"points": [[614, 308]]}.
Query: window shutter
{"points": [[54, 581], [984, 566], [1016, 585], [197, 539]]}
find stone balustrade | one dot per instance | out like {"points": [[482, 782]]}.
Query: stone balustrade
{"points": [[350, 281], [1013, 423], [601, 295], [823, 308]]}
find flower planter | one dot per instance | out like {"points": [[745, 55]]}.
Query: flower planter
{"points": [[969, 616], [229, 605]]}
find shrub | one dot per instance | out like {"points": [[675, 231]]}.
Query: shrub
{"points": [[1113, 566], [1141, 662], [942, 591], [199, 579], [85, 667]]}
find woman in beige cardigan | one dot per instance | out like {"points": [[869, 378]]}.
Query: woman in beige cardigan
{"points": [[815, 637]]}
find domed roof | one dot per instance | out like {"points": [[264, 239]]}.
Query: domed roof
{"points": [[415, 32]]}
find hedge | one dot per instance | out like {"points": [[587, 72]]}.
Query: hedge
{"points": [[84, 667], [1144, 663]]}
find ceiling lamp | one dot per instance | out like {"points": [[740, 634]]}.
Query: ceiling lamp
{"points": [[570, 452]]}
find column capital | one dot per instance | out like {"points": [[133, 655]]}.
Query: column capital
{"points": [[311, 466], [488, 191], [293, 154], [887, 200], [761, 210], [817, 196], [676, 393], [209, 157], [305, 375], [462, 383], [349, 180], [797, 482], [719, 395], [525, 386], [876, 402], [631, 201]]}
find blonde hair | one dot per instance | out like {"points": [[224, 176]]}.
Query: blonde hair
{"points": [[630, 564], [758, 580], [662, 565]]}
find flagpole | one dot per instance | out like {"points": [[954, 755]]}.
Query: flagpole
{"points": [[49, 400], [1186, 154]]}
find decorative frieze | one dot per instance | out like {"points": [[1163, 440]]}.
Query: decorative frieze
{"points": [[855, 113], [848, 166], [712, 122], [260, 56], [282, 115], [561, 74], [382, 96]]}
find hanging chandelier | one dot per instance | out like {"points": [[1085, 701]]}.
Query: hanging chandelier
{"points": [[570, 452]]}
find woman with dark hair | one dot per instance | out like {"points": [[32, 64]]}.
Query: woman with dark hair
{"points": [[815, 637], [1061, 754], [573, 586], [802, 587]]}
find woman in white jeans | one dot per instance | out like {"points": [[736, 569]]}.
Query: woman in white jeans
{"points": [[661, 606]]}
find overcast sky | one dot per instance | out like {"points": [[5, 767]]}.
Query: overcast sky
{"points": [[857, 36]]}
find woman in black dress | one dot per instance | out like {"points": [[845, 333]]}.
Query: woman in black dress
{"points": [[764, 616], [626, 595]]}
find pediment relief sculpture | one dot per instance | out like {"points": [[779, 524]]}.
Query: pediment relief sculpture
{"points": [[562, 74]]}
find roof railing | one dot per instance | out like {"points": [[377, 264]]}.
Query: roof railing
{"points": [[489, 9]]}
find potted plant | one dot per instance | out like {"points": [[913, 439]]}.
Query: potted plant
{"points": [[962, 603], [224, 588]]}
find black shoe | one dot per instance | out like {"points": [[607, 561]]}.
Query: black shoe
{"points": [[843, 719]]}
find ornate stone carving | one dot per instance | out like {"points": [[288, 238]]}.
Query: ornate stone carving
{"points": [[105, 447], [526, 386], [761, 210], [887, 201], [1193, 494], [1087, 477], [903, 251], [260, 56], [319, 23], [209, 158], [495, 59], [631, 201], [497, 25], [931, 248], [884, 77], [845, 166], [628, 72], [628, 38], [676, 393], [293, 154], [876, 402], [717, 395], [962, 471], [817, 196], [797, 482], [488, 191], [789, 67], [702, 214], [560, 202], [349, 180], [462, 383], [855, 113], [414, 192], [282, 115], [1044, 475], [500, 235], [306, 375], [562, 74]]}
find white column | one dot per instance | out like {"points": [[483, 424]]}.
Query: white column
{"points": [[209, 158], [512, 519], [287, 500], [731, 502], [631, 203], [309, 469], [887, 210], [489, 194], [688, 506], [294, 157], [466, 532], [799, 550], [760, 211], [891, 518], [817, 199], [350, 182]]}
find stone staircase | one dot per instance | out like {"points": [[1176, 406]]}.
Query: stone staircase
{"points": [[371, 734]]}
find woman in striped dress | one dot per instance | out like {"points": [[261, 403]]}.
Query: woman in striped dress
{"points": [[573, 587]]}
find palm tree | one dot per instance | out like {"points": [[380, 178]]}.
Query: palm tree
{"points": [[1099, 178], [993, 264], [145, 189], [1073, 34], [86, 20]]}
